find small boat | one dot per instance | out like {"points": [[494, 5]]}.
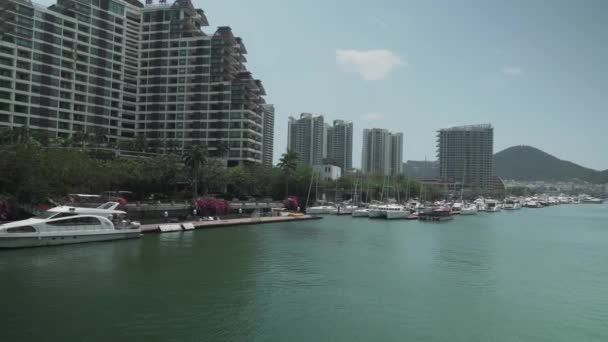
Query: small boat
{"points": [[592, 200], [414, 216], [436, 214], [361, 212], [492, 206], [320, 210], [395, 211], [480, 203], [469, 209], [457, 208], [509, 204], [532, 204], [68, 225], [343, 210]]}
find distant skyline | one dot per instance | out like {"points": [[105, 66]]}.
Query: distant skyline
{"points": [[535, 70]]}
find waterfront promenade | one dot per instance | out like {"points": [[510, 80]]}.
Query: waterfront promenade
{"points": [[155, 228]]}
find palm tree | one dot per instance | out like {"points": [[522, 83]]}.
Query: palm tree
{"points": [[288, 164], [195, 158]]}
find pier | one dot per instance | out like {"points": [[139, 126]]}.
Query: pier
{"points": [[156, 228]]}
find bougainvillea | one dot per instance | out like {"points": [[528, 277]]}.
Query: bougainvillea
{"points": [[209, 206], [291, 203]]}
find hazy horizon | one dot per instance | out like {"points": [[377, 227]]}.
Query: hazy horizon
{"points": [[535, 70]]}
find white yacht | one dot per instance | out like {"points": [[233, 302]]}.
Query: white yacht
{"points": [[320, 210], [511, 204], [396, 211], [468, 209], [363, 212], [377, 212], [343, 210], [492, 206], [68, 225], [480, 203]]}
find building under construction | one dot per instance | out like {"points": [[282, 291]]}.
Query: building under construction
{"points": [[465, 155]]}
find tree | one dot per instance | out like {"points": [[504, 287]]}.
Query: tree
{"points": [[195, 158], [80, 138], [288, 164], [141, 143], [172, 146], [240, 181]]}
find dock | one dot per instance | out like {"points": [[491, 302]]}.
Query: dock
{"points": [[156, 228]]}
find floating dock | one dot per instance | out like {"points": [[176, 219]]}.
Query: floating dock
{"points": [[170, 227]]}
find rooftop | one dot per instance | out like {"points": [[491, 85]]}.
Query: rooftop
{"points": [[481, 127]]}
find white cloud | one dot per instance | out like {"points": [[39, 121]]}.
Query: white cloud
{"points": [[372, 116], [372, 65], [512, 70]]}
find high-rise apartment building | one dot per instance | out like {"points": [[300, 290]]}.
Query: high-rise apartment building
{"points": [[382, 152], [340, 144], [466, 154], [120, 69], [268, 135], [396, 158], [307, 137]]}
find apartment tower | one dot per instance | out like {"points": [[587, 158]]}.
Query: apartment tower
{"points": [[307, 137], [268, 135], [124, 71], [382, 152], [340, 144], [466, 154]]}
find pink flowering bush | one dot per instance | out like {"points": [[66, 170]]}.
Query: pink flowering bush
{"points": [[208, 206], [291, 203]]}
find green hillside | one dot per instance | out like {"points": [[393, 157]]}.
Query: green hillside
{"points": [[529, 163]]}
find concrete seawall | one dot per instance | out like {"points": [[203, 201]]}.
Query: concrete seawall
{"points": [[155, 228]]}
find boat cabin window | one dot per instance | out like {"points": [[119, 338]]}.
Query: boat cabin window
{"points": [[26, 229], [76, 221]]}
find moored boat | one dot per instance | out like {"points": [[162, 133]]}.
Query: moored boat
{"points": [[68, 225], [436, 214], [320, 210], [395, 212], [492, 206], [469, 209]]}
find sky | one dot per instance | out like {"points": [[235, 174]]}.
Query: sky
{"points": [[536, 70]]}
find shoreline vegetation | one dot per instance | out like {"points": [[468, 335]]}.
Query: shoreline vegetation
{"points": [[37, 170]]}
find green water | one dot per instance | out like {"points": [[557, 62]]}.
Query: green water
{"points": [[530, 275]]}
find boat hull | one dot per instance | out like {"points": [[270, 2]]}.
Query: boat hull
{"points": [[377, 214], [318, 211], [10, 240], [397, 215], [360, 213]]}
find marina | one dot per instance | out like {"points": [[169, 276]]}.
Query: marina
{"points": [[519, 275]]}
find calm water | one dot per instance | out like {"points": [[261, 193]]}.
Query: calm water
{"points": [[530, 275]]}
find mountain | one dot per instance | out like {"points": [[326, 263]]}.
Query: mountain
{"points": [[529, 163]]}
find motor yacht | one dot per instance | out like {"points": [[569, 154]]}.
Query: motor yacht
{"points": [[492, 206], [468, 209], [396, 211], [68, 225]]}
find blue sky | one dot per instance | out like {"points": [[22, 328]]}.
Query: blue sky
{"points": [[537, 70]]}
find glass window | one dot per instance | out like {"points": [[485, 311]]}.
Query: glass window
{"points": [[117, 8], [25, 229]]}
